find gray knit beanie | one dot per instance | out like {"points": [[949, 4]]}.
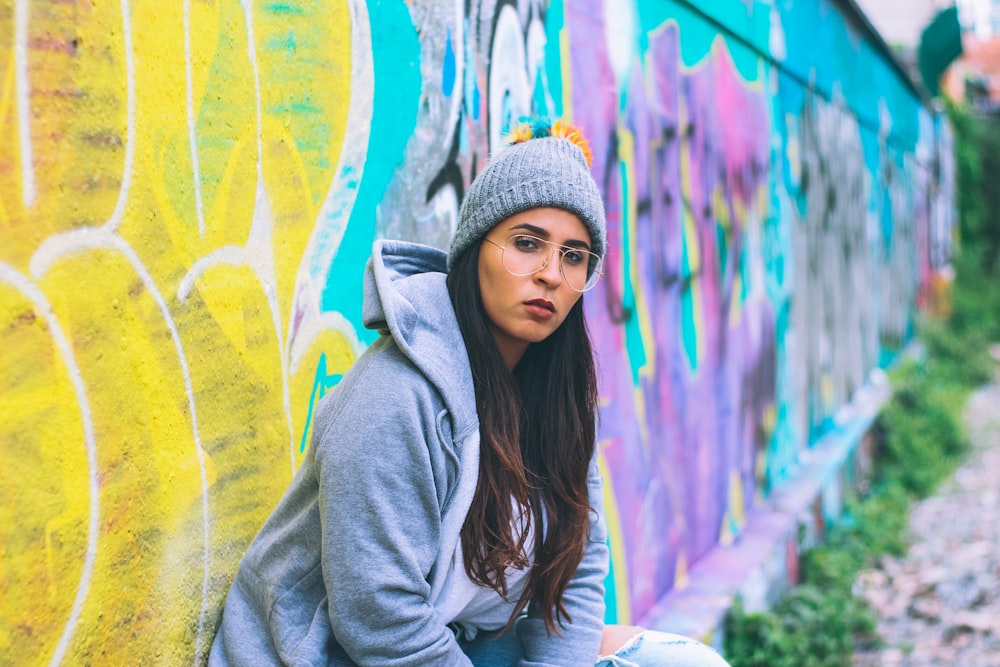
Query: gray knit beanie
{"points": [[541, 170]]}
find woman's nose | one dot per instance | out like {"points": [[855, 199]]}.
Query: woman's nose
{"points": [[551, 273]]}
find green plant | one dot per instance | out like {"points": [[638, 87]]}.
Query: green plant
{"points": [[977, 167], [919, 435], [811, 625]]}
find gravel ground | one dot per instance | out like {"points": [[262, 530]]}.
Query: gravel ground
{"points": [[940, 604]]}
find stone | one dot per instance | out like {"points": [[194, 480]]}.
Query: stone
{"points": [[928, 609], [977, 621]]}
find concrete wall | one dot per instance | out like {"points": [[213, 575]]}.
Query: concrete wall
{"points": [[189, 191]]}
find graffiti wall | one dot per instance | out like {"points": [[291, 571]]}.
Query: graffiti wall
{"points": [[189, 192]]}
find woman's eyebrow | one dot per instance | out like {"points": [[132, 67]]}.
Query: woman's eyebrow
{"points": [[538, 231]]}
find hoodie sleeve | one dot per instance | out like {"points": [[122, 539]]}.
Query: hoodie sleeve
{"points": [[380, 512], [580, 642]]}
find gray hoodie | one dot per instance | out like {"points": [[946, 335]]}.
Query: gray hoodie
{"points": [[349, 567]]}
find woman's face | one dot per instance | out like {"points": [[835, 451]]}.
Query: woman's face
{"points": [[527, 309]]}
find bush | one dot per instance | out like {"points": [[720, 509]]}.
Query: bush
{"points": [[810, 625], [919, 435], [977, 167]]}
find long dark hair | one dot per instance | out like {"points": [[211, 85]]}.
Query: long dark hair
{"points": [[537, 429]]}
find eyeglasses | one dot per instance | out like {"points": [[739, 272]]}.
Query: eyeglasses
{"points": [[525, 255]]}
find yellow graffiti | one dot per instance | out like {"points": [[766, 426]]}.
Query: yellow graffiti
{"points": [[163, 167], [735, 518], [616, 543]]}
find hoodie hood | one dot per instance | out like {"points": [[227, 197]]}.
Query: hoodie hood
{"points": [[406, 296]]}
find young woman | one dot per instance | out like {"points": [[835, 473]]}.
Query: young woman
{"points": [[449, 509]]}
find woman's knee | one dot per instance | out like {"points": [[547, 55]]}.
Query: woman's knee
{"points": [[616, 637], [650, 648]]}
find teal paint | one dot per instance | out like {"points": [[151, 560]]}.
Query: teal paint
{"points": [[633, 334], [746, 61], [689, 334], [398, 82], [301, 106], [750, 20], [448, 71], [539, 101], [722, 240], [776, 233], [697, 36], [286, 43], [297, 49], [322, 383], [783, 441], [610, 593], [744, 269], [554, 26], [283, 9], [471, 92], [783, 447]]}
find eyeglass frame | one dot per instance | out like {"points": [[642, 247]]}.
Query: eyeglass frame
{"points": [[563, 249]]}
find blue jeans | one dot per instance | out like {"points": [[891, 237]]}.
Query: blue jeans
{"points": [[648, 649]]}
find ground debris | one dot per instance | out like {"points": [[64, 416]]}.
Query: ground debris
{"points": [[940, 604]]}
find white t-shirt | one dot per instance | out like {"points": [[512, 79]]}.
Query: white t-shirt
{"points": [[471, 607]]}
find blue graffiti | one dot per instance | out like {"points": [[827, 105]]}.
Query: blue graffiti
{"points": [[322, 383]]}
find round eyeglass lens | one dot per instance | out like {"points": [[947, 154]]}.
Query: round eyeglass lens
{"points": [[524, 255]]}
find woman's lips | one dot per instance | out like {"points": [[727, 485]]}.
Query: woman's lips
{"points": [[540, 308]]}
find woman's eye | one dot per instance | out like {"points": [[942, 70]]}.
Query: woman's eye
{"points": [[526, 243], [573, 257]]}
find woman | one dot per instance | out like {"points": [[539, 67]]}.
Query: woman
{"points": [[449, 509]]}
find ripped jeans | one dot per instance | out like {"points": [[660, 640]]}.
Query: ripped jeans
{"points": [[647, 649]]}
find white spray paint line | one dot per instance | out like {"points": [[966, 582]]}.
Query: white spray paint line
{"points": [[317, 323], [262, 261], [262, 204], [258, 264], [239, 256], [23, 93], [67, 243], [228, 255], [260, 258], [257, 257], [252, 54], [192, 139], [11, 276], [116, 216]]}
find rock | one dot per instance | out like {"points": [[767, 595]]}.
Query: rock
{"points": [[977, 621], [961, 593], [893, 656], [928, 609], [931, 577]]}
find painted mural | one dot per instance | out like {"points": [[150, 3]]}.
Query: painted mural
{"points": [[189, 192]]}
